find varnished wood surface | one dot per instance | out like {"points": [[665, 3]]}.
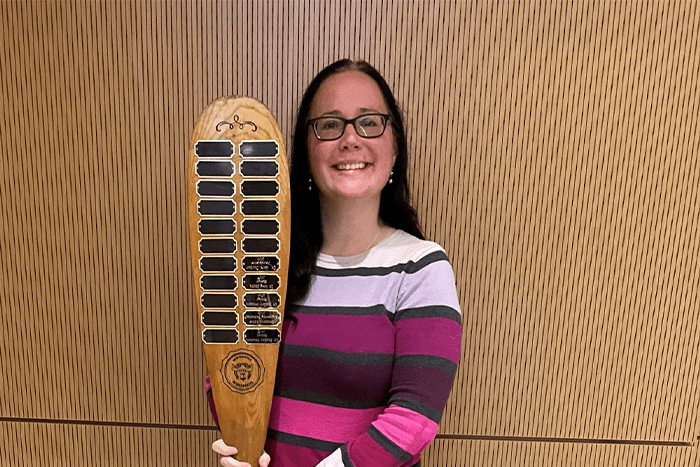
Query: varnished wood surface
{"points": [[553, 154], [242, 414]]}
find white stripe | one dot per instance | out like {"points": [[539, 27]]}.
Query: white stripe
{"points": [[431, 286], [399, 247]]}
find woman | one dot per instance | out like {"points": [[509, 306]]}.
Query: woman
{"points": [[372, 331]]}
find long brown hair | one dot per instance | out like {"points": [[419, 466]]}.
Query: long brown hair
{"points": [[395, 207]]}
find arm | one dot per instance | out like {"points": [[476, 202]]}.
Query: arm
{"points": [[210, 399], [428, 339]]}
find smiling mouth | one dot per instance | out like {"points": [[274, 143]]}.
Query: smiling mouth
{"points": [[355, 166]]}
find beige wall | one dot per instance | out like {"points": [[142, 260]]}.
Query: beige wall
{"points": [[555, 156]]}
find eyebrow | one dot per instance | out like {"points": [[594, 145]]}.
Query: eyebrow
{"points": [[362, 110]]}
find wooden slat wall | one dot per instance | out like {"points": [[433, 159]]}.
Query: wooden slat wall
{"points": [[554, 155]]}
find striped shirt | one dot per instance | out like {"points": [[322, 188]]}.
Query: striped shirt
{"points": [[367, 359]]}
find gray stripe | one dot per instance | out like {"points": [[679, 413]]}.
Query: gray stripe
{"points": [[334, 356], [409, 267], [436, 311], [302, 441], [346, 456], [388, 444], [427, 361], [423, 409], [330, 401]]}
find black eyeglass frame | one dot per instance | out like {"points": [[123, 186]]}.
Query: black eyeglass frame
{"points": [[312, 124]]}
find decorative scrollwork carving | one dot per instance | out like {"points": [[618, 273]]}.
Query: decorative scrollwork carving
{"points": [[236, 121]]}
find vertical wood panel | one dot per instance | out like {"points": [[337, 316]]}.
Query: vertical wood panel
{"points": [[553, 155]]}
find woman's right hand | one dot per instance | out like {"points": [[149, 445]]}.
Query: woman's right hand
{"points": [[228, 452]]}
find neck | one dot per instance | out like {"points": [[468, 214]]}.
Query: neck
{"points": [[351, 227]]}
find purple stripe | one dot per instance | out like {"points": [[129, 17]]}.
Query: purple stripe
{"points": [[353, 334], [434, 387], [335, 380], [283, 454], [440, 337], [366, 451]]}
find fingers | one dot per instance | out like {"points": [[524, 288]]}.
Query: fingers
{"points": [[222, 448], [231, 462], [226, 452]]}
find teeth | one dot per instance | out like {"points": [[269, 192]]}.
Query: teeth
{"points": [[356, 166]]}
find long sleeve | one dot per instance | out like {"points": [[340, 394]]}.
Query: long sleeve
{"points": [[210, 400], [367, 359], [428, 337]]}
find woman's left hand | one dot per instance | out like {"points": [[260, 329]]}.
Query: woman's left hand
{"points": [[228, 452]]}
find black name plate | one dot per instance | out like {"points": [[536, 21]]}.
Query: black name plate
{"points": [[219, 282], [208, 188], [260, 208], [260, 188], [260, 245], [258, 149], [261, 318], [220, 336], [215, 169], [220, 318], [216, 227], [261, 282], [260, 227], [217, 245], [221, 148], [259, 169], [222, 300], [261, 263], [261, 300], [216, 208], [261, 336], [217, 263]]}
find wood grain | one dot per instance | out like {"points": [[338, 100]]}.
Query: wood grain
{"points": [[242, 400], [553, 154]]}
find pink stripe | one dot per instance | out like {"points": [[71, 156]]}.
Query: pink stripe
{"points": [[429, 336], [409, 430], [365, 451], [334, 424], [352, 334]]}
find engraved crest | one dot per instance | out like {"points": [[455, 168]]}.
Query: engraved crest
{"points": [[242, 371]]}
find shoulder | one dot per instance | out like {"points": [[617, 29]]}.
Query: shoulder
{"points": [[412, 252], [399, 252], [429, 281]]}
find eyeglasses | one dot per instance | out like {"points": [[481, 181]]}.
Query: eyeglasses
{"points": [[367, 126]]}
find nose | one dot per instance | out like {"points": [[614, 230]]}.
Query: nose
{"points": [[349, 136]]}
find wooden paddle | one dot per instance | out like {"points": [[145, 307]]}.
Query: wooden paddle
{"points": [[239, 223]]}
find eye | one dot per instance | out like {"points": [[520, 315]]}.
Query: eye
{"points": [[328, 124], [370, 121]]}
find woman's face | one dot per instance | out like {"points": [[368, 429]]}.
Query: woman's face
{"points": [[350, 167]]}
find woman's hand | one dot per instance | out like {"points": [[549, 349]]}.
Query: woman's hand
{"points": [[227, 452]]}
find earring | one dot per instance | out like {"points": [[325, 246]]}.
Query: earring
{"points": [[311, 181], [391, 177]]}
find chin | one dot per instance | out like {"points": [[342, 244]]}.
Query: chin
{"points": [[354, 195]]}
